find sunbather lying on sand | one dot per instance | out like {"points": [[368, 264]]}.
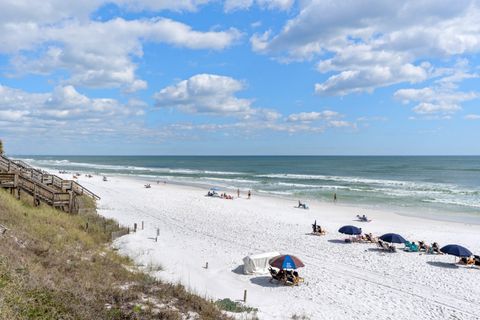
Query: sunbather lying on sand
{"points": [[363, 218]]}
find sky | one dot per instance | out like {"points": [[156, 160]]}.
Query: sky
{"points": [[240, 77]]}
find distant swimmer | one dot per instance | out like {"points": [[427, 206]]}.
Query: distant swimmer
{"points": [[335, 197], [238, 193], [249, 194]]}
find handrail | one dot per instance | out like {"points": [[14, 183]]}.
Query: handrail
{"points": [[26, 170]]}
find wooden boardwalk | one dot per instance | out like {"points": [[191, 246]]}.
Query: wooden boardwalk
{"points": [[17, 176]]}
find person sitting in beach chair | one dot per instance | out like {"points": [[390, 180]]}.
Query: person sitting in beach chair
{"points": [[477, 260], [292, 278], [289, 277], [468, 261], [302, 205], [422, 246], [370, 238], [411, 247], [317, 229], [436, 248], [385, 246], [277, 275]]}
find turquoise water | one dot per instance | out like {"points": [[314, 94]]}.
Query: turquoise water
{"points": [[426, 186]]}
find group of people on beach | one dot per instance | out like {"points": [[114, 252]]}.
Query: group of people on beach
{"points": [[213, 193], [285, 276], [420, 246]]}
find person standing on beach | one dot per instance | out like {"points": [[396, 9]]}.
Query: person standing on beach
{"points": [[249, 194], [238, 193], [335, 197]]}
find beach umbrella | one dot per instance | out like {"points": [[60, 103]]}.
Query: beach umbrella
{"points": [[351, 230], [393, 238], [456, 250], [286, 261]]}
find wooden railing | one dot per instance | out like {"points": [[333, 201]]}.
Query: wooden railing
{"points": [[25, 170]]}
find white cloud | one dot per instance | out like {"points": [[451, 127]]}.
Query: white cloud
{"points": [[375, 43], [64, 111], [472, 117], [159, 5], [443, 97], [94, 53], [232, 5], [312, 116], [431, 108], [205, 93], [341, 124]]}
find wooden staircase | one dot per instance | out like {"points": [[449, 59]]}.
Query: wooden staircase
{"points": [[17, 176]]}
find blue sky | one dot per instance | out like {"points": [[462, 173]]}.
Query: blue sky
{"points": [[239, 77]]}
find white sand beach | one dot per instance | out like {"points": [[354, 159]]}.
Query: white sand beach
{"points": [[342, 281]]}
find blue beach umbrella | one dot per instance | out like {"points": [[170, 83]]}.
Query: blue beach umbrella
{"points": [[286, 262], [456, 250], [393, 238], [351, 230]]}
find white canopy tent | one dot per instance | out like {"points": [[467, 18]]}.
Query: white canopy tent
{"points": [[258, 263]]}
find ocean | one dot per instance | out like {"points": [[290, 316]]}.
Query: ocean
{"points": [[440, 187]]}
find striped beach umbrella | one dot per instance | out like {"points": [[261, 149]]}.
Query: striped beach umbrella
{"points": [[286, 261]]}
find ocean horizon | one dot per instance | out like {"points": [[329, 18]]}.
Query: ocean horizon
{"points": [[438, 187]]}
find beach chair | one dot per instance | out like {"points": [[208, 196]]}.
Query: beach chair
{"points": [[408, 244], [411, 247], [277, 275], [318, 230], [387, 247], [436, 248], [470, 261], [370, 238], [380, 244], [477, 260], [422, 246]]}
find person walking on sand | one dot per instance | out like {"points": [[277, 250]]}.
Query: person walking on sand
{"points": [[238, 193], [335, 197], [249, 194]]}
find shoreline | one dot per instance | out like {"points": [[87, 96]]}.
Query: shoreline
{"points": [[425, 206], [195, 229], [435, 215]]}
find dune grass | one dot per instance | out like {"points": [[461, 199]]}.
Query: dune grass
{"points": [[54, 265]]}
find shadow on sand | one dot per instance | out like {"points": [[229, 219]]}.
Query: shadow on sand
{"points": [[337, 241], [447, 265], [314, 234], [239, 270], [264, 281]]}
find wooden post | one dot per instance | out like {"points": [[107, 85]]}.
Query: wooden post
{"points": [[245, 296], [35, 195], [135, 227], [70, 202]]}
